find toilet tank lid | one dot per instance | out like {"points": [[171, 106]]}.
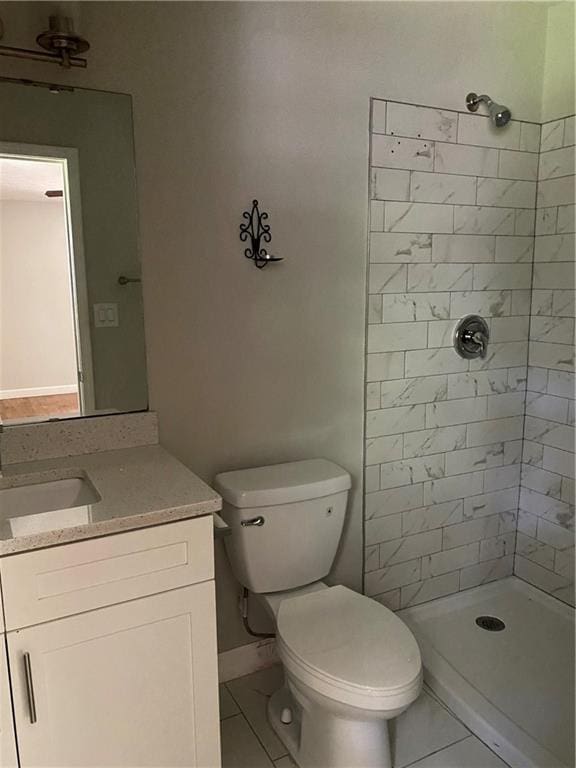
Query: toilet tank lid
{"points": [[282, 483]]}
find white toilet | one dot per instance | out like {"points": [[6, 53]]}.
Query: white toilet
{"points": [[350, 663]]}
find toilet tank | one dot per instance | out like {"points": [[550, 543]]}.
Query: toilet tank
{"points": [[286, 522]]}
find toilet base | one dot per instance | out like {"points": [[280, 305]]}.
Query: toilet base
{"points": [[317, 739]]}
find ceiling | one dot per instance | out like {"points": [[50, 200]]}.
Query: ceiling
{"points": [[28, 180]]}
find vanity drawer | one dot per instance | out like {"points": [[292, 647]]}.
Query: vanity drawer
{"points": [[51, 583]]}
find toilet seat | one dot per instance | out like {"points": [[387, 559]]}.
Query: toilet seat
{"points": [[349, 648]]}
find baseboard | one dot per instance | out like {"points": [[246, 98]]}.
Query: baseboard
{"points": [[247, 659], [63, 389]]}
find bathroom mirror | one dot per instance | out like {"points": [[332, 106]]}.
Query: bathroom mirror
{"points": [[71, 314]]}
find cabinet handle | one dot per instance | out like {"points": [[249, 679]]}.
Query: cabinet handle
{"points": [[30, 688]]}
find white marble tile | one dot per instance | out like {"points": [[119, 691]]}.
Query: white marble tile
{"points": [[430, 589], [558, 330], [504, 329], [541, 301], [408, 154], [470, 531], [424, 389], [485, 220], [433, 361], [228, 707], [471, 459], [501, 276], [537, 479], [441, 333], [540, 577], [424, 728], [387, 278], [463, 248], [564, 563], [482, 573], [439, 277], [502, 406], [252, 694], [487, 432], [240, 747], [538, 505], [532, 453], [390, 599], [404, 248], [386, 448], [380, 529], [378, 116], [431, 517], [479, 130], [493, 503], [521, 301], [530, 137], [410, 547], [527, 523], [442, 188], [390, 184], [558, 162], [450, 560], [384, 365], [563, 303], [484, 303], [392, 337], [561, 383], [499, 355], [417, 217], [506, 193], [438, 440], [457, 487], [500, 478], [552, 135], [524, 221], [554, 248], [546, 219], [546, 355], [390, 421], [514, 249], [566, 219], [549, 433], [374, 314], [408, 471], [498, 546], [391, 577], [452, 412], [376, 216], [569, 126], [554, 535], [477, 383], [555, 192], [562, 462], [469, 753], [386, 503], [518, 165], [470, 161], [372, 395], [405, 307], [371, 479], [421, 122], [537, 379]]}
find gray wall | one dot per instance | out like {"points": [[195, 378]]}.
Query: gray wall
{"points": [[270, 100]]}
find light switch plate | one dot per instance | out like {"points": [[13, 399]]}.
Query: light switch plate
{"points": [[106, 315]]}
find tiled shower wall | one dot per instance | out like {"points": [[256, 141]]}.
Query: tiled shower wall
{"points": [[545, 541], [452, 233]]}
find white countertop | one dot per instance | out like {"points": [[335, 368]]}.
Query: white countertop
{"points": [[139, 487]]}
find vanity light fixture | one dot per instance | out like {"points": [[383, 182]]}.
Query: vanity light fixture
{"points": [[60, 42], [255, 229]]}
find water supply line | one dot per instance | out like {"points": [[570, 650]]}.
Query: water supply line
{"points": [[245, 622]]}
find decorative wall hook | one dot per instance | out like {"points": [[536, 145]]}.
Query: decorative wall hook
{"points": [[255, 229]]}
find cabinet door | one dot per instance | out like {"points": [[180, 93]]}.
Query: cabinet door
{"points": [[7, 742], [130, 685]]}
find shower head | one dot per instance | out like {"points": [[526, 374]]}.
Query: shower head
{"points": [[499, 114]]}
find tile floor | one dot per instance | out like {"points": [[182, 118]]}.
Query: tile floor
{"points": [[426, 736]]}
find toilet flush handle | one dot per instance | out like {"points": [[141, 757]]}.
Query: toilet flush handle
{"points": [[259, 521]]}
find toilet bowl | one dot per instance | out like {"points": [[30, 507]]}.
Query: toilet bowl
{"points": [[350, 664]]}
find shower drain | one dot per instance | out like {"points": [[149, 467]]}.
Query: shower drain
{"points": [[491, 623]]}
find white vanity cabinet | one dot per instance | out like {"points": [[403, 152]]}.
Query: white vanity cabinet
{"points": [[112, 650], [8, 757]]}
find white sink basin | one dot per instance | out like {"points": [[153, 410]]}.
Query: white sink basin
{"points": [[46, 497]]}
